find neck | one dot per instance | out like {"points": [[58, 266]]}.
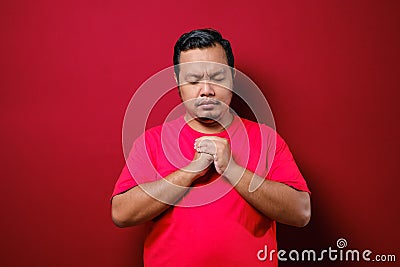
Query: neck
{"points": [[209, 126]]}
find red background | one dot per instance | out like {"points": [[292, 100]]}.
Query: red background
{"points": [[329, 70]]}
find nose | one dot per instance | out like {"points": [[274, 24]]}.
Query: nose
{"points": [[206, 89]]}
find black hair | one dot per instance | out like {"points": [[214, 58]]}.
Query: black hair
{"points": [[201, 38]]}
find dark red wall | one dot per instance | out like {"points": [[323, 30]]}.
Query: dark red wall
{"points": [[330, 70]]}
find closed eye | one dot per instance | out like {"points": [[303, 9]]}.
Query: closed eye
{"points": [[218, 78]]}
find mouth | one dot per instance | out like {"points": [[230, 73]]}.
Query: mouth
{"points": [[207, 103]]}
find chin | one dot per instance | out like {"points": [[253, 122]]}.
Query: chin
{"points": [[206, 120], [208, 117]]}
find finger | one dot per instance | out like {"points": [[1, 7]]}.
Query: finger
{"points": [[210, 137], [200, 140], [206, 146]]}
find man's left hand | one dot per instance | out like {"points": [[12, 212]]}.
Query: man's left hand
{"points": [[221, 151]]}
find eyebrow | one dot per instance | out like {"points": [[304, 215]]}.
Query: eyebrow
{"points": [[195, 75], [199, 76], [218, 72]]}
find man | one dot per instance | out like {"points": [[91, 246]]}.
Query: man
{"points": [[195, 173]]}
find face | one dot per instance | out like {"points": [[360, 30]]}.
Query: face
{"points": [[205, 83]]}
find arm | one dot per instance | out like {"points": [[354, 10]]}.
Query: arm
{"points": [[143, 203], [275, 200]]}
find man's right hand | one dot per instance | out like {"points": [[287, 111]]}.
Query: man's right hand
{"points": [[199, 165]]}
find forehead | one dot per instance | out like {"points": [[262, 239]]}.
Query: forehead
{"points": [[211, 60], [199, 69], [212, 54]]}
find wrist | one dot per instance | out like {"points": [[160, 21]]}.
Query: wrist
{"points": [[191, 172], [234, 173]]}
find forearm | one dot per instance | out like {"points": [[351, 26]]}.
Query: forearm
{"points": [[275, 200], [145, 202]]}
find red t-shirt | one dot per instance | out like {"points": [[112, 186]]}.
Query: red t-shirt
{"points": [[212, 225]]}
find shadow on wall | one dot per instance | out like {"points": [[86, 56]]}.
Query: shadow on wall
{"points": [[317, 235]]}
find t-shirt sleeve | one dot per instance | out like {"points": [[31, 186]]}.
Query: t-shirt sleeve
{"points": [[138, 168], [124, 182], [284, 168]]}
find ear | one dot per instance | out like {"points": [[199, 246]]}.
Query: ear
{"points": [[234, 73], [177, 83]]}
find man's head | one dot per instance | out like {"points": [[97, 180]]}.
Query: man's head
{"points": [[198, 39], [204, 72]]}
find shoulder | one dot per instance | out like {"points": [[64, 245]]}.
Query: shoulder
{"points": [[253, 127], [167, 128], [259, 131]]}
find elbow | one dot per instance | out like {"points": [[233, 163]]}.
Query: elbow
{"points": [[304, 212], [303, 218], [123, 221], [121, 218], [119, 223], [118, 219]]}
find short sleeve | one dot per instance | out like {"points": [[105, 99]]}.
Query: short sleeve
{"points": [[284, 168], [138, 168]]}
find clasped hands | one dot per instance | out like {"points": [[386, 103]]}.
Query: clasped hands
{"points": [[213, 149]]}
